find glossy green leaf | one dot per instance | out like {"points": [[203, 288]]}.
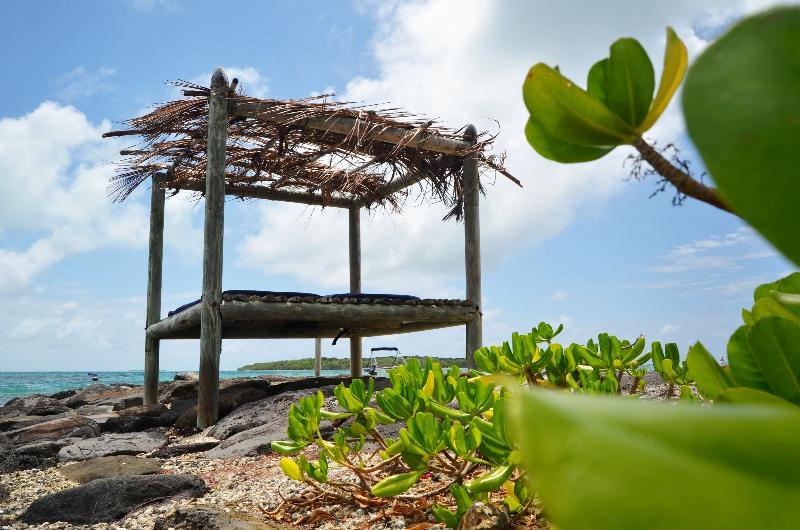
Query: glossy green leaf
{"points": [[291, 469], [676, 60], [568, 112], [287, 447], [492, 480], [598, 79], [775, 343], [711, 379], [743, 114], [396, 484], [631, 81], [742, 394], [744, 366], [683, 464], [552, 148]]}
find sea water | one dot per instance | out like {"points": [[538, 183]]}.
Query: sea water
{"points": [[17, 384]]}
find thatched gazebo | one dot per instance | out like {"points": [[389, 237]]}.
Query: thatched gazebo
{"points": [[219, 142]]}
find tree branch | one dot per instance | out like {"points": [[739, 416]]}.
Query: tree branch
{"points": [[682, 181]]}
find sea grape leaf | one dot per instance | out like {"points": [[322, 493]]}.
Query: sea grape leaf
{"points": [[676, 60], [598, 79], [744, 366], [569, 113], [702, 458], [709, 376], [775, 343], [631, 81], [742, 394], [743, 114], [552, 148]]}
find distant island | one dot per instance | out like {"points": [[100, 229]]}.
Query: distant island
{"points": [[336, 363]]}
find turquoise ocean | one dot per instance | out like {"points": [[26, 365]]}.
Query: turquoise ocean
{"points": [[18, 384]]}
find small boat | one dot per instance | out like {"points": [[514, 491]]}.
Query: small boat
{"points": [[373, 363], [93, 376]]}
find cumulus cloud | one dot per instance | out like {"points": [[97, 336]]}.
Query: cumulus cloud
{"points": [[464, 62], [81, 82]]}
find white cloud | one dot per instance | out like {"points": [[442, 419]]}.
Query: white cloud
{"points": [[80, 82], [714, 252], [668, 329], [559, 295], [53, 195], [465, 62], [250, 80]]}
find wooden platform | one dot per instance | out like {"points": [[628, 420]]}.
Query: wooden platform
{"points": [[320, 317]]}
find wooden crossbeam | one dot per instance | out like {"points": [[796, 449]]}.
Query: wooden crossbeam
{"points": [[262, 192], [417, 138]]}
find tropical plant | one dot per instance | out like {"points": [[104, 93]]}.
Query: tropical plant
{"points": [[667, 362]]}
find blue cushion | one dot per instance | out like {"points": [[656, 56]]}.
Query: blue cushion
{"points": [[374, 296], [246, 292]]}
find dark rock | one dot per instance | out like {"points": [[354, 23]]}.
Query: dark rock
{"points": [[113, 444], [138, 419], [272, 410], [110, 499], [64, 394], [100, 394], [187, 376], [70, 427], [110, 466], [4, 493], [94, 410], [48, 409], [144, 410], [229, 400], [482, 516], [10, 461], [20, 406], [184, 449], [178, 390], [128, 402], [252, 442], [128, 424], [203, 519], [46, 448], [15, 423]]}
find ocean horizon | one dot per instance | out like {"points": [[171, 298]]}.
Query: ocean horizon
{"points": [[20, 384]]}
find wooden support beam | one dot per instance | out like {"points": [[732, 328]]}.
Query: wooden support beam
{"points": [[417, 138], [261, 192], [390, 188], [317, 356], [355, 283], [472, 247], [154, 275], [210, 315]]}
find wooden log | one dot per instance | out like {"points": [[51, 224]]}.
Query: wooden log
{"points": [[210, 315], [355, 284], [417, 138], [154, 281], [317, 356], [390, 188], [261, 192], [472, 247]]}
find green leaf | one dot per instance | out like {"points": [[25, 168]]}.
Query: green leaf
{"points": [[631, 81], [775, 343], [492, 480], [709, 376], [552, 148], [743, 114], [682, 463], [396, 484], [287, 447], [569, 113], [676, 60], [742, 394], [598, 80], [744, 366]]}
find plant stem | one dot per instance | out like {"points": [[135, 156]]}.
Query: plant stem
{"points": [[682, 181]]}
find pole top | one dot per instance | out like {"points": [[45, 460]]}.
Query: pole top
{"points": [[218, 78], [470, 133]]}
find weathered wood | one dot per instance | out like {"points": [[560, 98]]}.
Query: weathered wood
{"points": [[317, 356], [390, 188], [154, 281], [418, 138], [305, 330], [261, 192], [472, 247], [355, 284], [210, 316]]}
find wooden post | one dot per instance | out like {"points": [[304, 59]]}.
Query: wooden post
{"points": [[472, 247], [154, 270], [210, 315], [317, 357], [355, 284]]}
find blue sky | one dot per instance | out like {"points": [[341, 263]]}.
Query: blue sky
{"points": [[580, 244]]}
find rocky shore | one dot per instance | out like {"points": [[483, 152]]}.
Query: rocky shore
{"points": [[98, 458]]}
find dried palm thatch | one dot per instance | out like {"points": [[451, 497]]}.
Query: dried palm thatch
{"points": [[318, 151]]}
